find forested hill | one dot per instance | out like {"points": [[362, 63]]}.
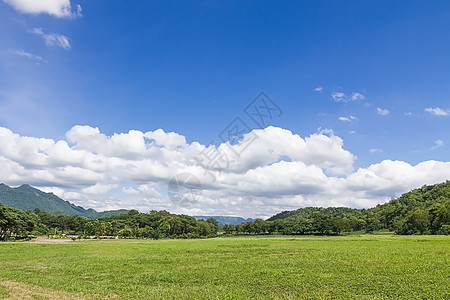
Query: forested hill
{"points": [[28, 198], [423, 210], [426, 209], [429, 204], [307, 212]]}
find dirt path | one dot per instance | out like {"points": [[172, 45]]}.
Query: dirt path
{"points": [[42, 240]]}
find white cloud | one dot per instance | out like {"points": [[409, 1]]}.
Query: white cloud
{"points": [[22, 53], [56, 8], [382, 112], [437, 144], [99, 188], [168, 140], [348, 119], [318, 89], [374, 150], [437, 111], [357, 96], [339, 97], [53, 39], [130, 191], [322, 149], [149, 191], [277, 171], [325, 131]]}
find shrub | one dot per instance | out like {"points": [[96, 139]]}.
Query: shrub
{"points": [[445, 229]]}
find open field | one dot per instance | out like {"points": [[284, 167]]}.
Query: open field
{"points": [[365, 267]]}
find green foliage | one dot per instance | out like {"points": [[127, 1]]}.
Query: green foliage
{"points": [[420, 211], [396, 214], [14, 221], [417, 221], [28, 198], [133, 224], [445, 229], [308, 212]]}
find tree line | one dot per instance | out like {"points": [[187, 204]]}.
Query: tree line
{"points": [[421, 211], [133, 224], [425, 210], [161, 224]]}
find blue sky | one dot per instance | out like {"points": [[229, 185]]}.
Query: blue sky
{"points": [[192, 67]]}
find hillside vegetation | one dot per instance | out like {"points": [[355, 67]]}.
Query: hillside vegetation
{"points": [[422, 211], [28, 198]]}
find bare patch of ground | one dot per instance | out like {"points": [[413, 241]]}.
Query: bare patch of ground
{"points": [[18, 290], [42, 240]]}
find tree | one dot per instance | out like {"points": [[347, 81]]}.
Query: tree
{"points": [[126, 232], [439, 216], [340, 224], [204, 228], [259, 226], [372, 223], [14, 221], [357, 223], [416, 221], [229, 228], [322, 223], [214, 225], [248, 227]]}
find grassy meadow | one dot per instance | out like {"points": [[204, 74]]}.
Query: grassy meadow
{"points": [[356, 266]]}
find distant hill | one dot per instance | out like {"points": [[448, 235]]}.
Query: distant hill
{"points": [[28, 198], [431, 198], [225, 220], [307, 212], [430, 204]]}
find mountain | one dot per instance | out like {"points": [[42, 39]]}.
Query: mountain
{"points": [[225, 220], [28, 198]]}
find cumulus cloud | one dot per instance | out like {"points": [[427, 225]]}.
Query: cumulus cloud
{"points": [[130, 190], [318, 89], [278, 170], [99, 188], [53, 39], [22, 53], [437, 111], [56, 8]]}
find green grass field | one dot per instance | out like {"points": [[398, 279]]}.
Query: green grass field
{"points": [[365, 266]]}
